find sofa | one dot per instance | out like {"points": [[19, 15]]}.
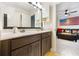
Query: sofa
{"points": [[68, 34]]}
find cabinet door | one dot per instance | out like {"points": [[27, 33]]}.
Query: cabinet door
{"points": [[33, 49], [46, 45], [36, 49], [0, 48], [29, 50], [5, 47], [23, 51]]}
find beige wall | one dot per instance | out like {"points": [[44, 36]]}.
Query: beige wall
{"points": [[71, 6], [53, 18]]}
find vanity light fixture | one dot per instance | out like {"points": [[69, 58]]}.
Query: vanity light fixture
{"points": [[36, 4]]}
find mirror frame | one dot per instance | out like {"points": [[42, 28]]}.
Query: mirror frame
{"points": [[9, 27]]}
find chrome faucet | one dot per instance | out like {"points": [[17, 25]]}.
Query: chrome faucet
{"points": [[14, 29]]}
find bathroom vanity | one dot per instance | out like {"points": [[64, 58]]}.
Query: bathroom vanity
{"points": [[31, 44], [17, 37]]}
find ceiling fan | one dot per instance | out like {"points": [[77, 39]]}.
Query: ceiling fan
{"points": [[36, 4], [67, 12]]}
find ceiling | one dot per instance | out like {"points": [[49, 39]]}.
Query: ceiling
{"points": [[26, 6], [23, 5], [49, 3]]}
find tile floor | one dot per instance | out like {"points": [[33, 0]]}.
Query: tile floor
{"points": [[67, 48]]}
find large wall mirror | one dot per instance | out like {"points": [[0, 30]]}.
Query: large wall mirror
{"points": [[22, 15]]}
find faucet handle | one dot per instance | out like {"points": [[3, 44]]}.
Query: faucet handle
{"points": [[22, 30]]}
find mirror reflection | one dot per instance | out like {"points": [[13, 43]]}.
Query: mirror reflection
{"points": [[21, 14]]}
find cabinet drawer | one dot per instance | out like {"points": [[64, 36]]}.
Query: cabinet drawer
{"points": [[19, 42], [45, 35]]}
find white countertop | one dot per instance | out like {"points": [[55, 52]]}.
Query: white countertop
{"points": [[5, 36]]}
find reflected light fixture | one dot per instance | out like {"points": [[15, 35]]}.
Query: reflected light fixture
{"points": [[36, 4]]}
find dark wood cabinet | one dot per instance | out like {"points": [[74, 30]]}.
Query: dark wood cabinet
{"points": [[21, 51], [46, 42], [36, 48], [32, 45], [19, 42], [0, 48], [5, 47], [46, 45], [28, 50]]}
